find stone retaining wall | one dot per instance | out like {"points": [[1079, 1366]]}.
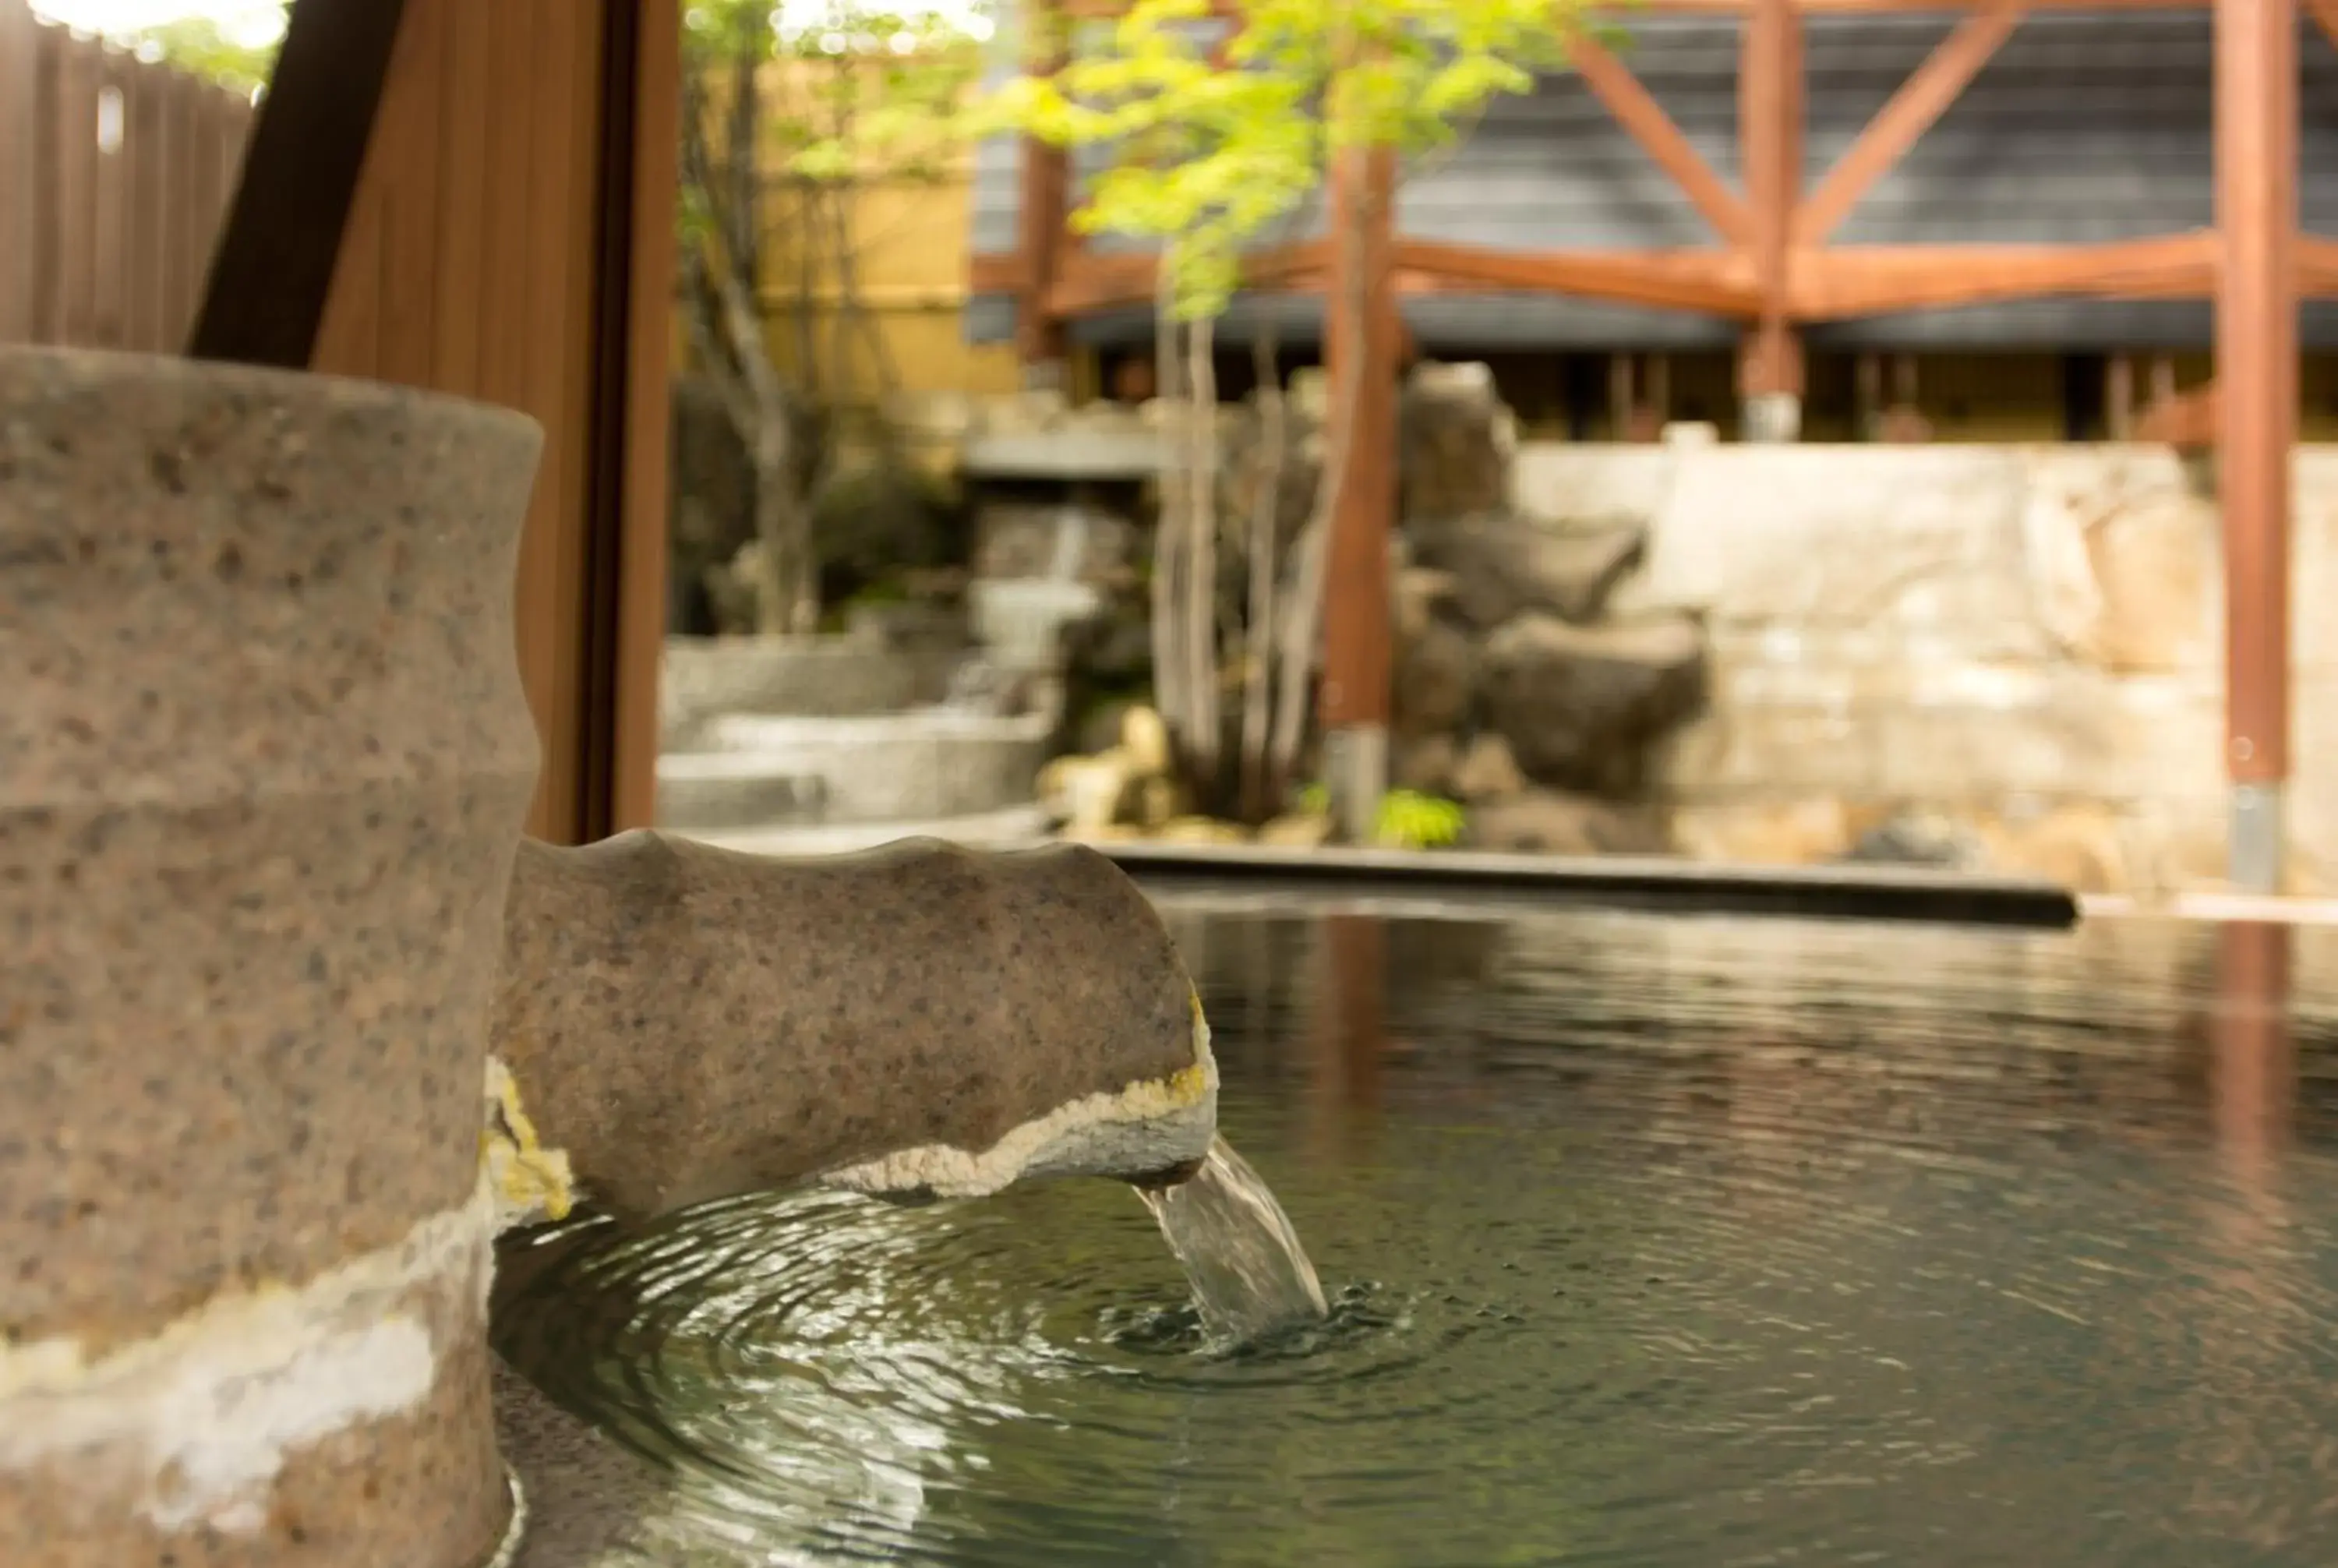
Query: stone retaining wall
{"points": [[2023, 642]]}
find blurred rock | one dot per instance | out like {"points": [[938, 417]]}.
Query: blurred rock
{"points": [[1488, 772], [1549, 822], [1459, 442], [1435, 679], [1503, 565], [1581, 706], [1925, 838], [1299, 830], [1426, 765]]}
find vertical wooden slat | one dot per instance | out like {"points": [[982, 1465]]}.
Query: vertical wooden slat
{"points": [[110, 278], [505, 319], [2257, 111], [75, 126], [186, 242], [20, 49], [142, 154], [47, 252], [207, 191], [406, 138], [349, 337], [654, 83], [465, 109]]}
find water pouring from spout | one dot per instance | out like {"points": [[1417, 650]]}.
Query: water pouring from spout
{"points": [[1250, 1276]]}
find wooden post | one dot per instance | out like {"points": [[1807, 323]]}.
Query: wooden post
{"points": [[1623, 397], [1769, 89], [1357, 656], [1039, 335], [2118, 397], [2256, 371], [641, 95]]}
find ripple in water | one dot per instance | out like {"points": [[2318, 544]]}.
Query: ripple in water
{"points": [[1648, 1244]]}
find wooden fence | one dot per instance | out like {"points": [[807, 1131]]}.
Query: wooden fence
{"points": [[114, 178]]}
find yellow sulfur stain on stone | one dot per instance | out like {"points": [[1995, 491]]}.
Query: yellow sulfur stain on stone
{"points": [[527, 1178]]}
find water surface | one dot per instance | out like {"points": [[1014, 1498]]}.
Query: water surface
{"points": [[1665, 1242]]}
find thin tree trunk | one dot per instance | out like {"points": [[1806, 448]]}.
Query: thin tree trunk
{"points": [[1168, 541], [1265, 523], [1202, 551]]}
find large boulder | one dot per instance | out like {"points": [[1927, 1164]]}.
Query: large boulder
{"points": [[1501, 566], [1580, 706]]}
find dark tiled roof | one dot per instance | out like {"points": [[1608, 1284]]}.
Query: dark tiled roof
{"points": [[2083, 127]]}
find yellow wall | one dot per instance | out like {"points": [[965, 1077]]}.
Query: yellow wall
{"points": [[911, 246]]}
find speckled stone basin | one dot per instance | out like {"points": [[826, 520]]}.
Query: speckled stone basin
{"points": [[264, 762]]}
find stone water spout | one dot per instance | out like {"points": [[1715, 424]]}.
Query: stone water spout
{"points": [[265, 906], [681, 1023]]}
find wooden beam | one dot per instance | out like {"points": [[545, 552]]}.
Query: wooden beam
{"points": [[1836, 282], [1645, 121], [2325, 17], [2317, 265], [1770, 97], [996, 272], [1927, 93], [274, 267], [1357, 655], [2256, 370], [1714, 283], [1091, 283]]}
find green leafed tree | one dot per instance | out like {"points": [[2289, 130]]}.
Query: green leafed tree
{"points": [[199, 46], [1210, 152], [787, 117]]}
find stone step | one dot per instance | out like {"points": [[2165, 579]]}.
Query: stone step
{"points": [[1015, 827], [719, 789], [935, 763]]}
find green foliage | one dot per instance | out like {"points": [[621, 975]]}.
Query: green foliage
{"points": [[1408, 819], [1211, 157], [196, 46], [869, 90]]}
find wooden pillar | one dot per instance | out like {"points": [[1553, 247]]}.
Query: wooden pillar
{"points": [[1044, 204], [2256, 372], [640, 172], [1358, 655], [1770, 91], [2118, 397]]}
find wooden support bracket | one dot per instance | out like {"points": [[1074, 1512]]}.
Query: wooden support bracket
{"points": [[1920, 101]]}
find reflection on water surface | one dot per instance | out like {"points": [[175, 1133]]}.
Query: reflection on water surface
{"points": [[1651, 1241]]}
